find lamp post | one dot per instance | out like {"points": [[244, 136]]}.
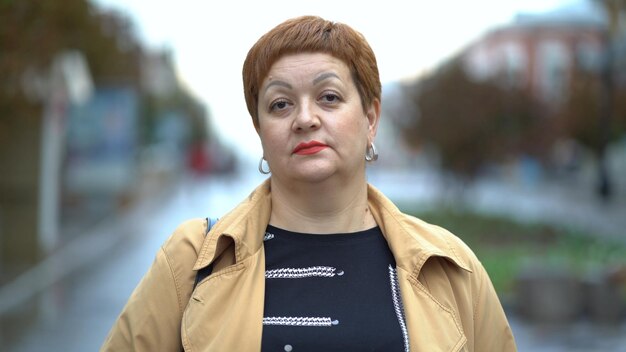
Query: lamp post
{"points": [[69, 83]]}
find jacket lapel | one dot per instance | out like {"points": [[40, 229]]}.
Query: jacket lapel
{"points": [[225, 312], [431, 326]]}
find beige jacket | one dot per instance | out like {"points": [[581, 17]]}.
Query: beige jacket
{"points": [[449, 301]]}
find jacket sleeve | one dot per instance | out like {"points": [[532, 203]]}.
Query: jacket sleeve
{"points": [[491, 328], [151, 318]]}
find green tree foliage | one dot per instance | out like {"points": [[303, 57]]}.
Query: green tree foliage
{"points": [[32, 32], [472, 123]]}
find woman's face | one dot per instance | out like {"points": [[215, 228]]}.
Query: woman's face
{"points": [[311, 122]]}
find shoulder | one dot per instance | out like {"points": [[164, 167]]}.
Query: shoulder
{"points": [[447, 256], [415, 238], [183, 245], [441, 242]]}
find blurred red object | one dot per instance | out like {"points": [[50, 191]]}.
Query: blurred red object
{"points": [[199, 159]]}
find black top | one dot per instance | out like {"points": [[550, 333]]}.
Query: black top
{"points": [[334, 292]]}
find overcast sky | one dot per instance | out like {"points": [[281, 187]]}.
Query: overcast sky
{"points": [[210, 40]]}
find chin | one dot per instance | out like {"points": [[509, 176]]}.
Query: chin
{"points": [[314, 174]]}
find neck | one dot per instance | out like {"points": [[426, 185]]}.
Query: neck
{"points": [[325, 207]]}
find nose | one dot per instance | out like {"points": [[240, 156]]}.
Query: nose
{"points": [[306, 118]]}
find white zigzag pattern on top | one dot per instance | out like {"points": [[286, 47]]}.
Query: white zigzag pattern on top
{"points": [[298, 273], [300, 321]]}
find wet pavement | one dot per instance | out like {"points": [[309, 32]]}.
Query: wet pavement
{"points": [[81, 290], [580, 336]]}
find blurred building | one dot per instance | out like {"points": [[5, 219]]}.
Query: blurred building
{"points": [[540, 52], [543, 55], [158, 74], [533, 100], [178, 135]]}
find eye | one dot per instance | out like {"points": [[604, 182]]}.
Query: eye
{"points": [[279, 105], [330, 97]]}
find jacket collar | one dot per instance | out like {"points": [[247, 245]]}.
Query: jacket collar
{"points": [[411, 240], [245, 225]]}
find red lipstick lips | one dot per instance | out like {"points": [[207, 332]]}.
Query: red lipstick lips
{"points": [[309, 148]]}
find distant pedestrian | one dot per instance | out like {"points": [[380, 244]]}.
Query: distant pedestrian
{"points": [[315, 259]]}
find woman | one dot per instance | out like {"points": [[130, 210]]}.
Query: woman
{"points": [[315, 259]]}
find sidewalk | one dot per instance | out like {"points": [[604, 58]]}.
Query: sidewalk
{"points": [[82, 288], [560, 204], [550, 202], [580, 336]]}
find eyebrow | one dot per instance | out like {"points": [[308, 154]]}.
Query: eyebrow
{"points": [[317, 80], [324, 76], [277, 83]]}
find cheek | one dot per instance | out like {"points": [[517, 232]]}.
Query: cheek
{"points": [[265, 142], [270, 140], [356, 130]]}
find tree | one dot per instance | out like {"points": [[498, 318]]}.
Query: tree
{"points": [[584, 118], [33, 32], [606, 104], [470, 123]]}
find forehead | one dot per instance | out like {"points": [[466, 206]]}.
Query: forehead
{"points": [[305, 64]]}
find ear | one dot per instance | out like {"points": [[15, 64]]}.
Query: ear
{"points": [[373, 117]]}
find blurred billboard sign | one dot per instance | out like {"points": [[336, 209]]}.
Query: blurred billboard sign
{"points": [[102, 143]]}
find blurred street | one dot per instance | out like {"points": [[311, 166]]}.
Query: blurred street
{"points": [[84, 286], [88, 282]]}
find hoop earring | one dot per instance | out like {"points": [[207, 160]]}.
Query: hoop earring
{"points": [[261, 170], [371, 153]]}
